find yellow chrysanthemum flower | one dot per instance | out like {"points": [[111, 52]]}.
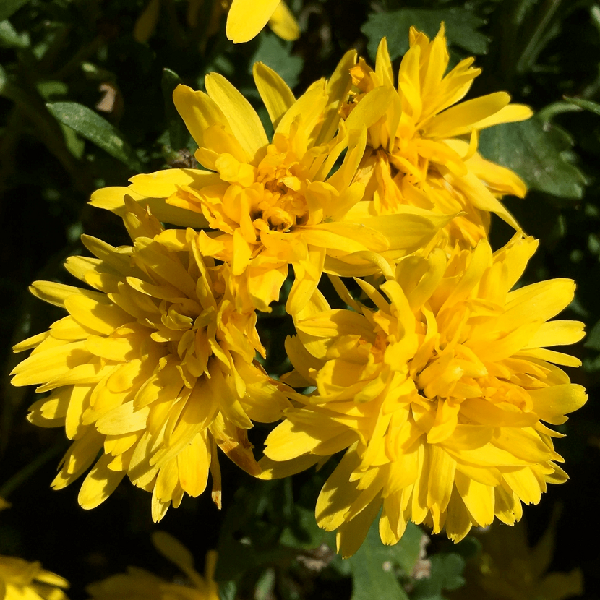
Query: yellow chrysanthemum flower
{"points": [[22, 580], [139, 583], [417, 153], [156, 369], [438, 393], [247, 18], [275, 204]]}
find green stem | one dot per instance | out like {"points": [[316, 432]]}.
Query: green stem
{"points": [[533, 47], [28, 470]]}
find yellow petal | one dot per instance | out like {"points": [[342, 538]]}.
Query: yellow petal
{"points": [[193, 462], [383, 64], [283, 24], [370, 108], [99, 316], [206, 122], [246, 18], [557, 333], [100, 483], [352, 534], [552, 403], [478, 498], [57, 293], [463, 117], [274, 91], [123, 419], [508, 114], [275, 469], [242, 118]]}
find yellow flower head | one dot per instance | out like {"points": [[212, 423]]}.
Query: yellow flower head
{"points": [[438, 390], [271, 204], [139, 583], [20, 579], [155, 369], [417, 152]]}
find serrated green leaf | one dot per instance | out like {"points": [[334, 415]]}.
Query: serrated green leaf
{"points": [[446, 574], [8, 7], [461, 29], [10, 38], [178, 134], [276, 54], [538, 152], [374, 573], [585, 104], [94, 128]]}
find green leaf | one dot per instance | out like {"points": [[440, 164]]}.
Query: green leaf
{"points": [[10, 38], [593, 337], [178, 134], [585, 104], [537, 151], [446, 574], [276, 54], [94, 128], [461, 29], [374, 572], [303, 531], [8, 7]]}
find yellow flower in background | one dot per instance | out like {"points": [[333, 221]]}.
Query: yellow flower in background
{"points": [[438, 390], [156, 369], [271, 204], [246, 18], [22, 580], [422, 145], [138, 583], [508, 569]]}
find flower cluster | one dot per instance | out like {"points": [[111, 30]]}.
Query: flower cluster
{"points": [[436, 379]]}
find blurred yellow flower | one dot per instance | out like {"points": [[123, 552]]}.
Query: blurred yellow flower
{"points": [[246, 19], [438, 393], [138, 583], [275, 204], [417, 152], [22, 580], [156, 368], [508, 569]]}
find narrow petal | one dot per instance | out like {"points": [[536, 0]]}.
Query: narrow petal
{"points": [[246, 18], [243, 120]]}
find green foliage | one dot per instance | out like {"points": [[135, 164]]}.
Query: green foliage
{"points": [[461, 28], [276, 53], [376, 568], [593, 107], [8, 7], [538, 151], [446, 574], [94, 128]]}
